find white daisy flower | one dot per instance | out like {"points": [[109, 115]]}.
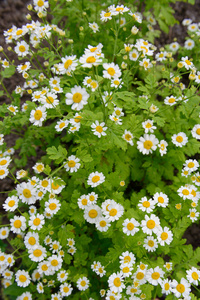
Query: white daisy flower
{"points": [[170, 100], [146, 205], [99, 128], [66, 289], [88, 60], [181, 289], [69, 63], [38, 115], [166, 286], [196, 131], [130, 226], [193, 275], [73, 164], [150, 244], [83, 201], [55, 262], [114, 212], [102, 224], [94, 26], [31, 240], [147, 144], [189, 44], [91, 213], [154, 276], [151, 224], [4, 233], [18, 224], [162, 147], [22, 278], [11, 203], [180, 139], [165, 236], [111, 71], [82, 283], [22, 48], [52, 206], [37, 253], [115, 282], [36, 221], [148, 126], [161, 199], [127, 136], [77, 98], [62, 276], [95, 178], [194, 214]]}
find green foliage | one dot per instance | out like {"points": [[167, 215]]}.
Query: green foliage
{"points": [[105, 155]]}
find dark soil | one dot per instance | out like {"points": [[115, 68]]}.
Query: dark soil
{"points": [[13, 12]]}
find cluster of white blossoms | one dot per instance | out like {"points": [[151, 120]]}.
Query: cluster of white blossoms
{"points": [[86, 95]]}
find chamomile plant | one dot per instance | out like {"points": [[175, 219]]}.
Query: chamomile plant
{"points": [[112, 125]]}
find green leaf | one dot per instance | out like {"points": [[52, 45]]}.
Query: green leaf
{"points": [[8, 72], [57, 154]]}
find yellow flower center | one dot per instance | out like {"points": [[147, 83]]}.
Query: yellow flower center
{"points": [[151, 224], [146, 204], [164, 236], [195, 276], [27, 193], [3, 162], [3, 232], [155, 275], [93, 49], [77, 97], [111, 71], [113, 212], [171, 100], [167, 286], [50, 100], [130, 226], [44, 267], [11, 203], [52, 206], [150, 243], [2, 172], [83, 283], [93, 84], [38, 114], [55, 186], [148, 144], [107, 14], [198, 131], [90, 60], [102, 223], [22, 48], [37, 252], [127, 259], [22, 278], [188, 62], [54, 262], [192, 214], [180, 288], [161, 199], [95, 179], [134, 55], [179, 139], [84, 201], [185, 192], [32, 241], [68, 63], [99, 128], [71, 164], [40, 3], [36, 221], [65, 289], [17, 224], [117, 282], [93, 213], [128, 137], [125, 270], [140, 275]]}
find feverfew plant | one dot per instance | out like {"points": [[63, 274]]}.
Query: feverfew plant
{"points": [[112, 124]]}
